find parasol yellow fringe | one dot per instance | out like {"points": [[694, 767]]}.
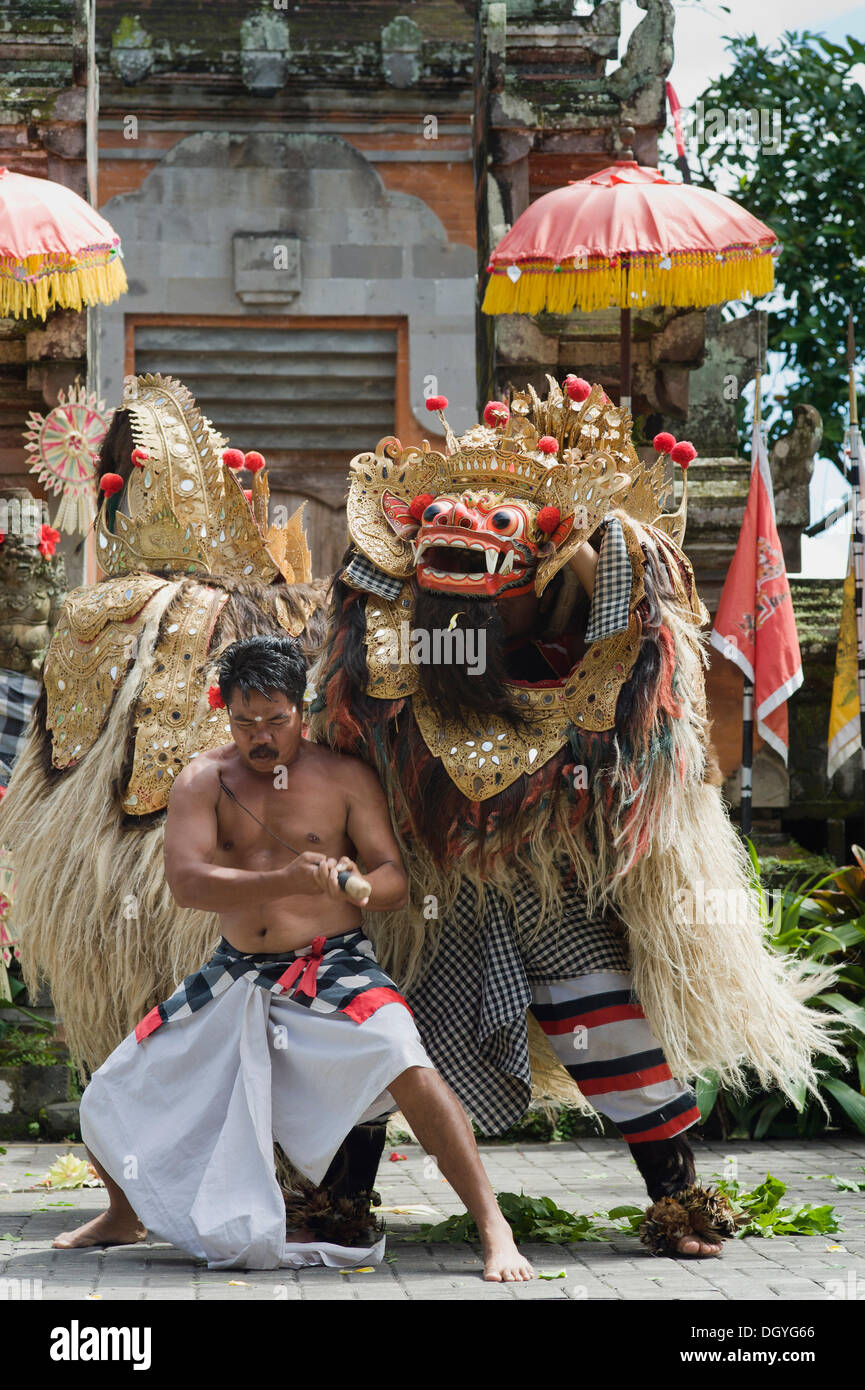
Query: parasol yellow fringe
{"points": [[69, 288], [692, 279]]}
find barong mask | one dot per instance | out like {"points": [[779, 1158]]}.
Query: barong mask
{"points": [[495, 517], [510, 502]]}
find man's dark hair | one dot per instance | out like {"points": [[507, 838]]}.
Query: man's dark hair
{"points": [[263, 664]]}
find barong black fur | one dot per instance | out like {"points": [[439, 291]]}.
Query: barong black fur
{"points": [[327, 1217]]}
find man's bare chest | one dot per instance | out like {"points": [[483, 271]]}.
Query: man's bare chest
{"points": [[285, 821]]}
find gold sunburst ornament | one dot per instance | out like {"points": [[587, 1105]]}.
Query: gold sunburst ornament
{"points": [[64, 448]]}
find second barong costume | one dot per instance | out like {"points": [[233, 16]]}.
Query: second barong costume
{"points": [[294, 1048], [559, 813]]}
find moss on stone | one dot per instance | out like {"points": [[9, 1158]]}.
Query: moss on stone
{"points": [[129, 32]]}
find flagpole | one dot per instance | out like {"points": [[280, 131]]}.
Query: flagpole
{"points": [[746, 776], [858, 553]]}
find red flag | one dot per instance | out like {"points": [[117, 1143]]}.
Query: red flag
{"points": [[755, 625]]}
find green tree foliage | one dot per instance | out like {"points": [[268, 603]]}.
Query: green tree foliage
{"points": [[809, 186]]}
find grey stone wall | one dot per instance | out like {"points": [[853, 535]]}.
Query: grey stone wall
{"points": [[363, 250]]}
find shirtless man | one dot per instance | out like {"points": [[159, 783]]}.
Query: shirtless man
{"points": [[260, 831]]}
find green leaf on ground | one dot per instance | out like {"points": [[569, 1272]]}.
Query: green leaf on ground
{"points": [[766, 1217], [539, 1219], [531, 1219], [848, 1185]]}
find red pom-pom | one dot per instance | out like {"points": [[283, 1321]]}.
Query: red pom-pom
{"points": [[683, 453], [419, 504], [436, 402], [496, 413], [253, 461], [232, 458], [663, 442], [548, 519], [214, 699], [139, 457], [577, 388], [111, 483], [548, 445], [247, 492]]}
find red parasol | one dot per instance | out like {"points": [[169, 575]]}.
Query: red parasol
{"points": [[628, 237], [55, 250]]}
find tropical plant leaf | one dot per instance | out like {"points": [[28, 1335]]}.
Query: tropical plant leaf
{"points": [[852, 1013], [851, 1102], [767, 1115], [706, 1091]]}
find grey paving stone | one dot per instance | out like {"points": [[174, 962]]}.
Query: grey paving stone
{"points": [[587, 1175]]}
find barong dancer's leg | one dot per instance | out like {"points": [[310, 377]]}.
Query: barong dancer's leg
{"points": [[599, 1033], [443, 1130], [117, 1226]]}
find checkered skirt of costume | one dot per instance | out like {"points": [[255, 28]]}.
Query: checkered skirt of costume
{"points": [[471, 1000], [17, 696]]}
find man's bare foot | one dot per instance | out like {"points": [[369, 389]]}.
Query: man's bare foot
{"points": [[691, 1245], [107, 1228], [503, 1262]]}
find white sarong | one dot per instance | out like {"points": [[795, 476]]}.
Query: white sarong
{"points": [[185, 1121]]}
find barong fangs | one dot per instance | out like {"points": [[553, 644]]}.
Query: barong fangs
{"points": [[295, 1048]]}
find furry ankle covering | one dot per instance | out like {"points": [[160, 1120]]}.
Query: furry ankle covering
{"points": [[346, 1221], [698, 1212], [680, 1206], [340, 1209]]}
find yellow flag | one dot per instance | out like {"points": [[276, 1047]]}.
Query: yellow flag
{"points": [[844, 728]]}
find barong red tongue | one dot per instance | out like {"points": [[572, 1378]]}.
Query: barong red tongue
{"points": [[306, 969]]}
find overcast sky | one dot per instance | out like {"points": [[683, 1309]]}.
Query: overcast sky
{"points": [[702, 24], [701, 56]]}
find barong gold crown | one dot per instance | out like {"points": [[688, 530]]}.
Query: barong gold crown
{"points": [[185, 509], [594, 469]]}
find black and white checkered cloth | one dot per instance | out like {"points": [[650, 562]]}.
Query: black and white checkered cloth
{"points": [[17, 696], [611, 595], [338, 973], [361, 573], [470, 1004]]}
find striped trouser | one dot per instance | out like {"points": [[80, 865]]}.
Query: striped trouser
{"points": [[601, 1037]]}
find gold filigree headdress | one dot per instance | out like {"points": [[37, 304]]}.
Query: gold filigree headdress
{"points": [[574, 458], [185, 509]]}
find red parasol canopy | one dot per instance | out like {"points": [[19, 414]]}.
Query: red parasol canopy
{"points": [[628, 237], [55, 250]]}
